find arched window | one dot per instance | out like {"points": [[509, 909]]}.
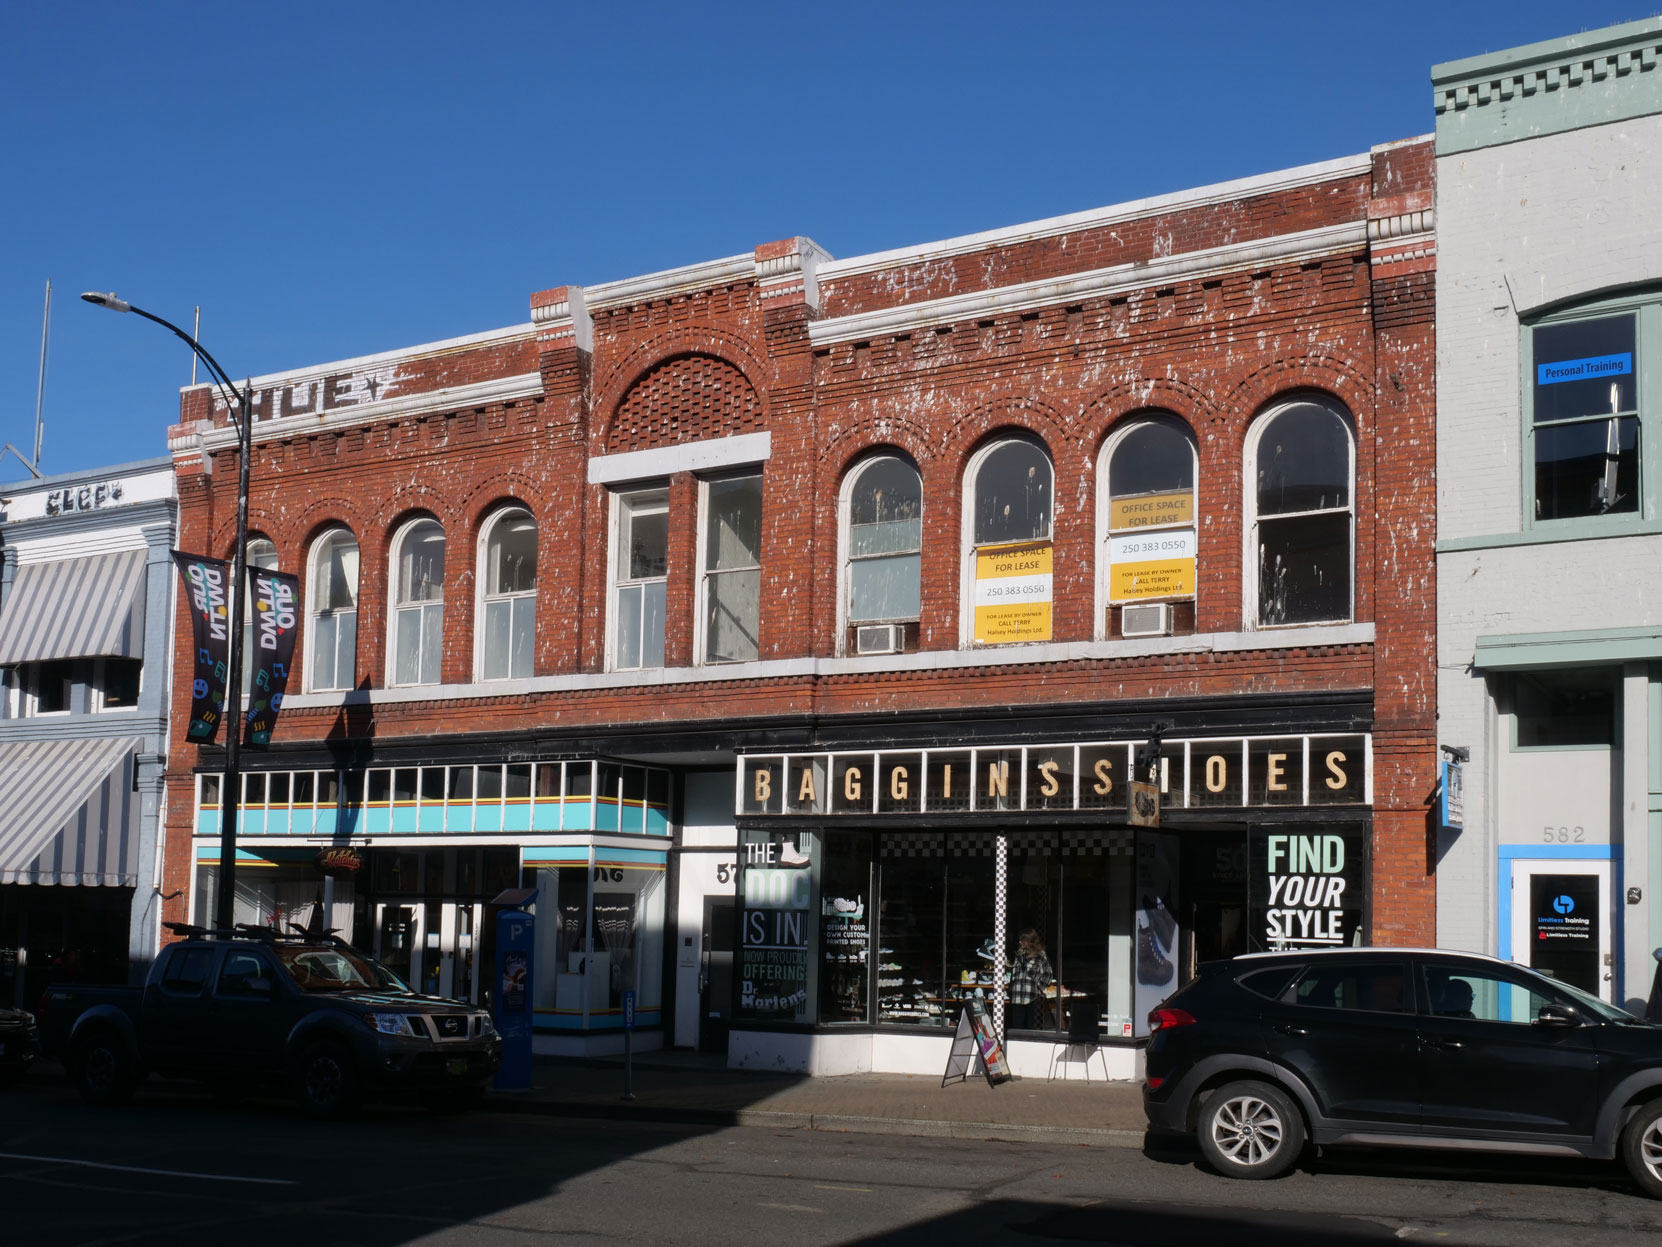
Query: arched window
{"points": [[508, 604], [262, 554], [1147, 524], [1009, 515], [883, 552], [332, 611], [1301, 459], [418, 603]]}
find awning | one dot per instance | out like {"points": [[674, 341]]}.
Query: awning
{"points": [[68, 812], [75, 608]]}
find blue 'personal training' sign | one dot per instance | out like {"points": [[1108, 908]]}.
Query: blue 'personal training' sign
{"points": [[1591, 368]]}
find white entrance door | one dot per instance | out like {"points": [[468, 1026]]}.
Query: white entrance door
{"points": [[1563, 922]]}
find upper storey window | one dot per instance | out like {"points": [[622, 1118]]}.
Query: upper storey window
{"points": [[1583, 398], [509, 606], [418, 603], [640, 571], [883, 510], [1149, 522], [1010, 513], [1302, 465], [262, 554], [730, 563], [333, 610]]}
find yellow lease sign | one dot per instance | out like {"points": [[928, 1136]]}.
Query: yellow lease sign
{"points": [[1147, 510], [1012, 592], [1152, 565]]}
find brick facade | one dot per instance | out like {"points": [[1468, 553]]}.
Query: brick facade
{"points": [[1294, 282]]}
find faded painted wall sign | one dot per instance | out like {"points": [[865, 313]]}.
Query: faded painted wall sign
{"points": [[1012, 592], [320, 395]]}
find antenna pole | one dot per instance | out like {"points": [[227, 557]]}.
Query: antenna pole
{"points": [[40, 387]]}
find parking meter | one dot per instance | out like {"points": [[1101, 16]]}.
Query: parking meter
{"points": [[515, 944]]}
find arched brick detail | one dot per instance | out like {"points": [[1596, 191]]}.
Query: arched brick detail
{"points": [[615, 381], [684, 398], [964, 436], [1339, 378], [1137, 397]]}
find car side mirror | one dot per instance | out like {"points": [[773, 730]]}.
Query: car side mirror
{"points": [[1557, 1016], [260, 987]]}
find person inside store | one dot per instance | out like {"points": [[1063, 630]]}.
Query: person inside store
{"points": [[1030, 974]]}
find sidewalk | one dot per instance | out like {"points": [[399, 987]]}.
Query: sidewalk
{"points": [[697, 1090]]}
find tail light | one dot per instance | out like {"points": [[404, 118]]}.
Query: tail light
{"points": [[1165, 1019]]}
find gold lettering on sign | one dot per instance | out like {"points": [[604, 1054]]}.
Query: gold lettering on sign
{"points": [[851, 783], [805, 790], [1104, 777], [1273, 781], [898, 787], [998, 779], [946, 780], [1339, 778], [1049, 787], [764, 785], [1217, 773]]}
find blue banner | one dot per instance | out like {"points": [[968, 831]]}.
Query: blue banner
{"points": [[1590, 368]]}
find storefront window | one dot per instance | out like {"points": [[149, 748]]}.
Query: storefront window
{"points": [[910, 916], [846, 918], [599, 934], [777, 928]]}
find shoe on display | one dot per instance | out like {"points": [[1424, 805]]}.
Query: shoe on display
{"points": [[1160, 921], [985, 952], [789, 856], [1153, 970]]}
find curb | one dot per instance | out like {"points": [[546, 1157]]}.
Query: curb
{"points": [[1078, 1136]]}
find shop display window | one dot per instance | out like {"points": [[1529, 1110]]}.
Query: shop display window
{"points": [[600, 933], [778, 928], [846, 914], [911, 915]]}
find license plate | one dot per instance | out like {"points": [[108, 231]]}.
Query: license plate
{"points": [[456, 1065]]}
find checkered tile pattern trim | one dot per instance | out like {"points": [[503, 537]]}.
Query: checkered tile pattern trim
{"points": [[1110, 842]]}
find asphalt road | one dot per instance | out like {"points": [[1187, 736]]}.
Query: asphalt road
{"points": [[176, 1168]]}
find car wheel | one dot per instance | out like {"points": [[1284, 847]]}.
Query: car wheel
{"points": [[326, 1081], [1642, 1148], [102, 1069], [1250, 1130]]}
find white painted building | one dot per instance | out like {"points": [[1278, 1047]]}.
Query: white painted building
{"points": [[1549, 379]]}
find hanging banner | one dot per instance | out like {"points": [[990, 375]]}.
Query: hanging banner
{"points": [[275, 597], [207, 590]]}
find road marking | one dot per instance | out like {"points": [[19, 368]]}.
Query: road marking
{"points": [[791, 1207], [819, 1187], [164, 1173]]}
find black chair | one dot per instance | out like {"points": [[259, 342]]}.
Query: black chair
{"points": [[1084, 1031]]}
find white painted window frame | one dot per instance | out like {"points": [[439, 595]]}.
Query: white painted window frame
{"points": [[95, 695], [1105, 458], [395, 588], [481, 598], [1249, 509], [966, 538], [701, 555], [313, 613], [845, 560], [614, 550]]}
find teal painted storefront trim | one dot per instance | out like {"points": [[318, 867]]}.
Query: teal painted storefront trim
{"points": [[1523, 650], [1554, 87], [1509, 853]]}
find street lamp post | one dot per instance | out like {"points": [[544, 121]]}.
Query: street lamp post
{"points": [[240, 402]]}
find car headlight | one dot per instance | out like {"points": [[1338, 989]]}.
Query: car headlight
{"points": [[390, 1023], [482, 1024]]}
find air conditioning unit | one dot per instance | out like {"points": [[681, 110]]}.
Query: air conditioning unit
{"points": [[879, 639], [1146, 619]]}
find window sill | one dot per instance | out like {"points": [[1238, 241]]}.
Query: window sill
{"points": [[1288, 637], [1553, 533]]}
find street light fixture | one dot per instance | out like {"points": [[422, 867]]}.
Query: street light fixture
{"points": [[240, 402]]}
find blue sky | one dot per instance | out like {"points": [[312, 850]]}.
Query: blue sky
{"points": [[333, 179]]}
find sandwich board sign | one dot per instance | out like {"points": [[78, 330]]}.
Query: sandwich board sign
{"points": [[975, 1037]]}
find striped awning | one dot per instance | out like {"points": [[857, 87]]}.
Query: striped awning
{"points": [[68, 812], [75, 608]]}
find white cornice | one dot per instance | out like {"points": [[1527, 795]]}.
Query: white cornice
{"points": [[1097, 283], [1094, 218], [479, 394], [685, 280]]}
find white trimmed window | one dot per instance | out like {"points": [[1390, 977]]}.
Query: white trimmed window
{"points": [[1009, 515], [1146, 526], [332, 607], [508, 604], [418, 603], [262, 554], [730, 569], [1300, 499], [640, 566], [882, 544]]}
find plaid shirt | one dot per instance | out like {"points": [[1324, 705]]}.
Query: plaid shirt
{"points": [[1029, 975]]}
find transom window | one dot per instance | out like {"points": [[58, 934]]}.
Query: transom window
{"points": [[730, 583], [418, 610], [883, 509], [509, 577], [332, 640], [1301, 465], [640, 567]]}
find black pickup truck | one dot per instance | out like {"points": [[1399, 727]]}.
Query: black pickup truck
{"points": [[250, 1008]]}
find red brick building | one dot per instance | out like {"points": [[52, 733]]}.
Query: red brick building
{"points": [[793, 624]]}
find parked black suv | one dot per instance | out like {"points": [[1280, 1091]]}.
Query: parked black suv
{"points": [[246, 1008], [1407, 1047]]}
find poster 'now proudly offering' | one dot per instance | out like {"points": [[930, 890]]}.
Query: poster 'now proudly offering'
{"points": [[1012, 592]]}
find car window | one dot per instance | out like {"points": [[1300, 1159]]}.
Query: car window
{"points": [[1269, 983], [239, 970], [187, 969], [1377, 988], [1486, 994]]}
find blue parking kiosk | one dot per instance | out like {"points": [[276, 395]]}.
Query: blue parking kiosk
{"points": [[515, 929]]}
